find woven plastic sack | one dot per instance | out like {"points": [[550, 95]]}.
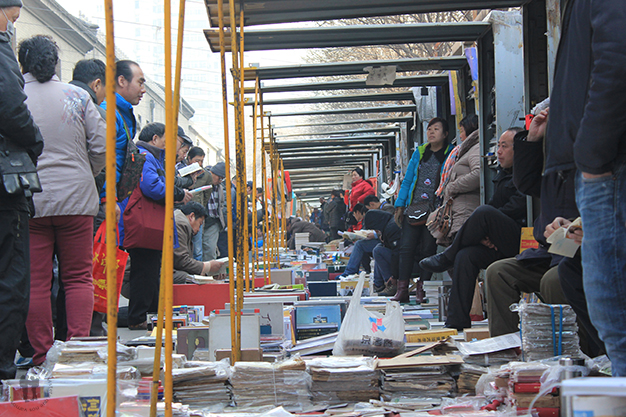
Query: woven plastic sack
{"points": [[370, 333]]}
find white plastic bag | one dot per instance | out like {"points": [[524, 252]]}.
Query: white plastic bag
{"points": [[369, 333]]}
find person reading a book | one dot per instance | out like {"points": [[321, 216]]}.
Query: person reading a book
{"points": [[295, 225], [189, 221]]}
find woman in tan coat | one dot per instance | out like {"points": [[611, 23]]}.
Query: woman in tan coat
{"points": [[463, 185]]}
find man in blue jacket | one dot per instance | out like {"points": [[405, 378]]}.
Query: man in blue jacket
{"points": [[129, 90]]}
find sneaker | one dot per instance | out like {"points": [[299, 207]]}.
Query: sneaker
{"points": [[23, 362]]}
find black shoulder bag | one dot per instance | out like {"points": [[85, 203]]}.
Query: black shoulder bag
{"points": [[18, 174]]}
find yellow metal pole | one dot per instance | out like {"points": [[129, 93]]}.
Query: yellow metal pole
{"points": [[275, 217], [156, 367], [240, 163], [167, 262], [267, 273], [255, 220], [111, 262], [179, 59], [245, 228], [284, 200], [229, 202]]}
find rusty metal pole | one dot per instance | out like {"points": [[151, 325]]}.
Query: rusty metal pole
{"points": [[255, 221], [240, 163], [245, 227], [229, 202], [284, 205], [111, 262]]}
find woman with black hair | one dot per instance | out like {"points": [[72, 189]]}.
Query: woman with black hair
{"points": [[415, 200], [74, 153], [361, 188]]}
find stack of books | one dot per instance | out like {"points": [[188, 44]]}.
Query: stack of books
{"points": [[203, 387], [339, 380]]}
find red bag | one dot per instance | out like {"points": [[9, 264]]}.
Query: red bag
{"points": [[99, 270], [144, 220]]}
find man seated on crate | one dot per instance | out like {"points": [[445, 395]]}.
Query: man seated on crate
{"points": [[362, 251], [189, 219], [492, 232], [544, 168]]}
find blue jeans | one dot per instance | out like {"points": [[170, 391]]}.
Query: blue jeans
{"points": [[382, 265], [197, 245], [361, 248], [602, 205]]}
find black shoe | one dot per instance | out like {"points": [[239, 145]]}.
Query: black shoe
{"points": [[436, 263], [379, 289]]}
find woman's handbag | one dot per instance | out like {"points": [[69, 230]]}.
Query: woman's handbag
{"points": [[440, 221], [417, 213], [144, 221]]}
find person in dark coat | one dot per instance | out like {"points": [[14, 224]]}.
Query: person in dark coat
{"points": [[387, 253], [492, 232], [17, 131], [298, 226], [336, 209], [588, 108]]}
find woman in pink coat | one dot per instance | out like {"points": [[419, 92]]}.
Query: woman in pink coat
{"points": [[361, 188]]}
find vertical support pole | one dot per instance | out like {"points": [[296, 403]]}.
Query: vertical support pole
{"points": [[275, 218], [255, 221], [245, 227], [240, 161], [284, 200], [111, 263], [267, 247], [229, 202]]}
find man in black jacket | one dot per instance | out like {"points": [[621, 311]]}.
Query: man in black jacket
{"points": [[17, 131], [492, 232], [587, 109]]}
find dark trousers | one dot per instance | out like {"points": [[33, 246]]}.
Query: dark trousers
{"points": [[145, 270], [571, 278], [334, 233], [416, 244], [470, 256], [14, 285]]}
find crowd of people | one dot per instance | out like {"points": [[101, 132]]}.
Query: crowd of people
{"points": [[570, 157]]}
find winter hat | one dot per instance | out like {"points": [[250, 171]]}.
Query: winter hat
{"points": [[219, 169], [10, 3]]}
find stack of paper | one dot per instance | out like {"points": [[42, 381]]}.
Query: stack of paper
{"points": [[204, 387], [301, 238], [262, 384], [418, 381], [548, 330], [469, 377], [338, 380]]}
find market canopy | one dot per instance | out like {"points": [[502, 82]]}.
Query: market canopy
{"points": [[350, 36], [263, 12]]}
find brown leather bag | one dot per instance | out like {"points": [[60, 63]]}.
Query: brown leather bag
{"points": [[440, 221]]}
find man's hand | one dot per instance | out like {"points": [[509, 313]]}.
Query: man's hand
{"points": [[537, 128], [399, 216], [575, 233], [371, 236], [211, 267], [556, 224], [188, 197], [488, 243], [118, 213]]}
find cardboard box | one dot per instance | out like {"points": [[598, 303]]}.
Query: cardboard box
{"points": [[477, 333], [282, 276], [188, 339], [247, 355], [219, 332]]}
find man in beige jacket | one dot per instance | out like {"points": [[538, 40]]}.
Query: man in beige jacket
{"points": [[189, 219]]}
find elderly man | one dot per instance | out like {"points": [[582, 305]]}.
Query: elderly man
{"points": [[492, 232]]}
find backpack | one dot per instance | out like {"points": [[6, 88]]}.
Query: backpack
{"points": [[131, 169]]}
